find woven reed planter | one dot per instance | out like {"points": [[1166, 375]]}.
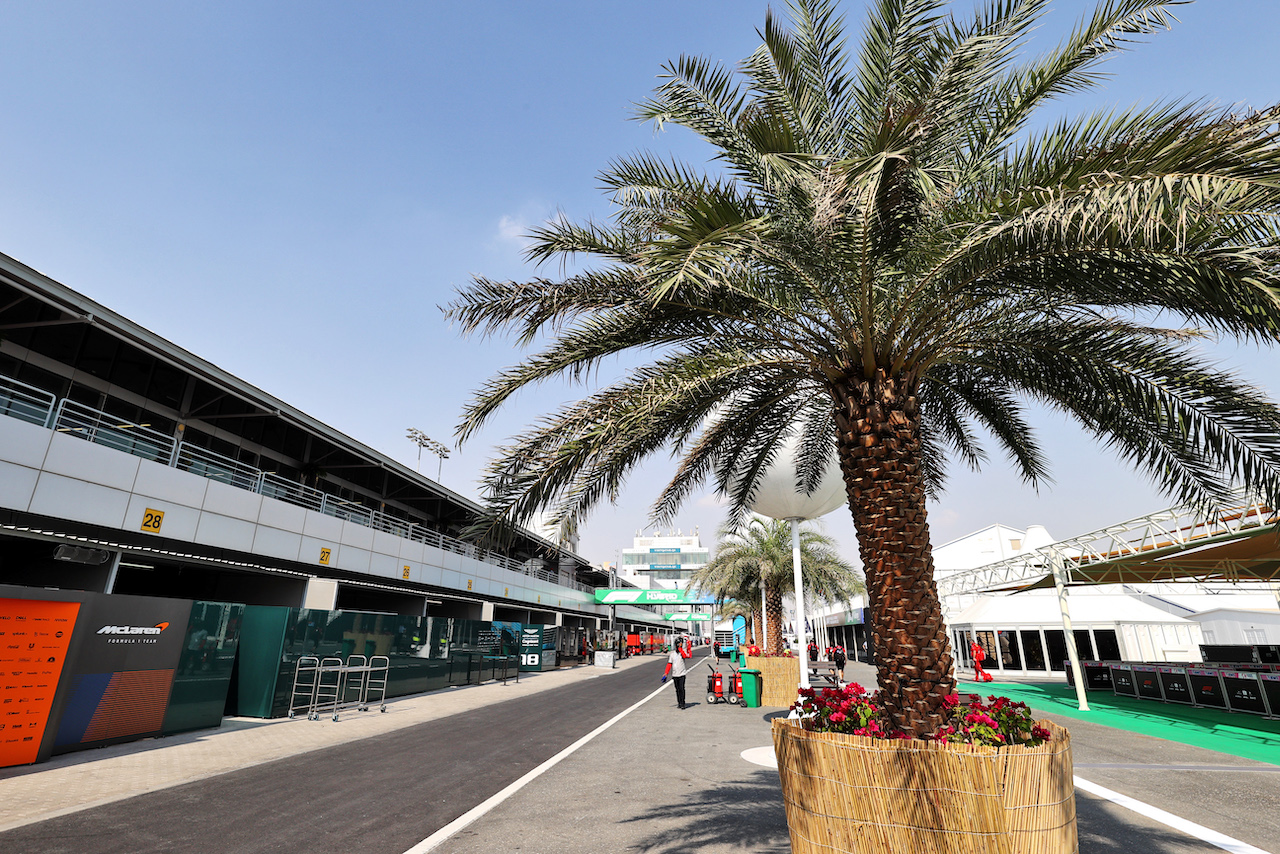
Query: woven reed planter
{"points": [[847, 793], [781, 677]]}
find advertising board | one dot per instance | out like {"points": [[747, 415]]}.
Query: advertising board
{"points": [[34, 638], [1206, 685], [120, 671], [1176, 687]]}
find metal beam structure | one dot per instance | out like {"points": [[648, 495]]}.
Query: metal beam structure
{"points": [[1238, 542]]}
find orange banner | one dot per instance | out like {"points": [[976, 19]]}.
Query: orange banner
{"points": [[34, 637]]}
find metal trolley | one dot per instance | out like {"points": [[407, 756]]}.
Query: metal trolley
{"points": [[306, 678], [329, 686]]}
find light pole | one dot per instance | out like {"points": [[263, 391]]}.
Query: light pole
{"points": [[778, 497], [422, 440]]}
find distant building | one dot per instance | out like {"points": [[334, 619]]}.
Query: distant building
{"points": [[664, 560], [129, 465], [1022, 635]]}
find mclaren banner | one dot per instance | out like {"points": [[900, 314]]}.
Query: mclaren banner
{"points": [[632, 596]]}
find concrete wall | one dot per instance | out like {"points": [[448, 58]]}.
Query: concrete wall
{"points": [[57, 475], [1230, 626]]}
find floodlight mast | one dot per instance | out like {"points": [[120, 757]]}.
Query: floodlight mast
{"points": [[422, 440]]}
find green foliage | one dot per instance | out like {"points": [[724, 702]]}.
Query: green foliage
{"points": [[891, 208], [758, 553], [998, 722]]}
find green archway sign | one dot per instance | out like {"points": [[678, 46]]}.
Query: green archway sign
{"points": [[632, 596]]}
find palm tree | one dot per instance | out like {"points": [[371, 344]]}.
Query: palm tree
{"points": [[729, 609], [757, 556], [889, 261]]}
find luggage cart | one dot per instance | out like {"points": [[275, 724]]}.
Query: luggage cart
{"points": [[375, 682], [352, 679], [305, 681], [329, 683]]}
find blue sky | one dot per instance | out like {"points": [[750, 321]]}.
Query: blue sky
{"points": [[291, 190]]}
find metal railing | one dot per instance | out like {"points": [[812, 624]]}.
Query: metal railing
{"points": [[28, 403], [66, 416], [274, 486], [102, 429], [217, 467], [1166, 531]]}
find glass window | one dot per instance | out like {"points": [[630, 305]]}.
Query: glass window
{"points": [[1108, 646], [1084, 646], [987, 640], [1056, 642], [963, 655], [1032, 652], [1010, 657]]}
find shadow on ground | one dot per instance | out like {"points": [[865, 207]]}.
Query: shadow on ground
{"points": [[1104, 828], [745, 816], [750, 816]]}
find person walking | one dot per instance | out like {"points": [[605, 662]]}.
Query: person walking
{"points": [[676, 669], [979, 655]]}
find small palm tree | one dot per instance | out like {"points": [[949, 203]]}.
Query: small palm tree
{"points": [[758, 557], [889, 261], [729, 609]]}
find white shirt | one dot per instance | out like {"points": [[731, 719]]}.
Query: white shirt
{"points": [[676, 660]]}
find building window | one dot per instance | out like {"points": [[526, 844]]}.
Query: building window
{"points": [[1010, 655], [987, 640], [1107, 644], [1255, 636], [1032, 651], [1056, 644], [1084, 645]]}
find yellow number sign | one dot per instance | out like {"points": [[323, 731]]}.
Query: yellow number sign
{"points": [[324, 556], [406, 573], [152, 520]]}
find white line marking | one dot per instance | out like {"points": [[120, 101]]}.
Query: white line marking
{"points": [[435, 839], [1190, 828]]}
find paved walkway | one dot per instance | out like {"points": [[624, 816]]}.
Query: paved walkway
{"points": [[76, 781], [656, 780]]}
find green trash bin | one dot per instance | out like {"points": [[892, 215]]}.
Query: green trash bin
{"points": [[752, 687], [733, 656]]}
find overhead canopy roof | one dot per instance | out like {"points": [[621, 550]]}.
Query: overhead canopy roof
{"points": [[1239, 543], [1251, 555]]}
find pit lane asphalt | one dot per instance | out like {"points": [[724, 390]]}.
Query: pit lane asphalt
{"points": [[661, 780]]}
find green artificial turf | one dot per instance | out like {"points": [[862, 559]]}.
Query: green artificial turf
{"points": [[1240, 735]]}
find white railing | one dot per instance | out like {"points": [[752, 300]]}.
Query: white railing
{"points": [[217, 467], [98, 427], [19, 400], [38, 407], [274, 486], [1166, 531]]}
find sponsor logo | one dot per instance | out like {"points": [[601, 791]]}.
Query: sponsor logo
{"points": [[133, 630]]}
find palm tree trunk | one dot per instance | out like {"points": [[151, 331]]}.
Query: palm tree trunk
{"points": [[757, 625], [878, 424], [773, 613]]}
